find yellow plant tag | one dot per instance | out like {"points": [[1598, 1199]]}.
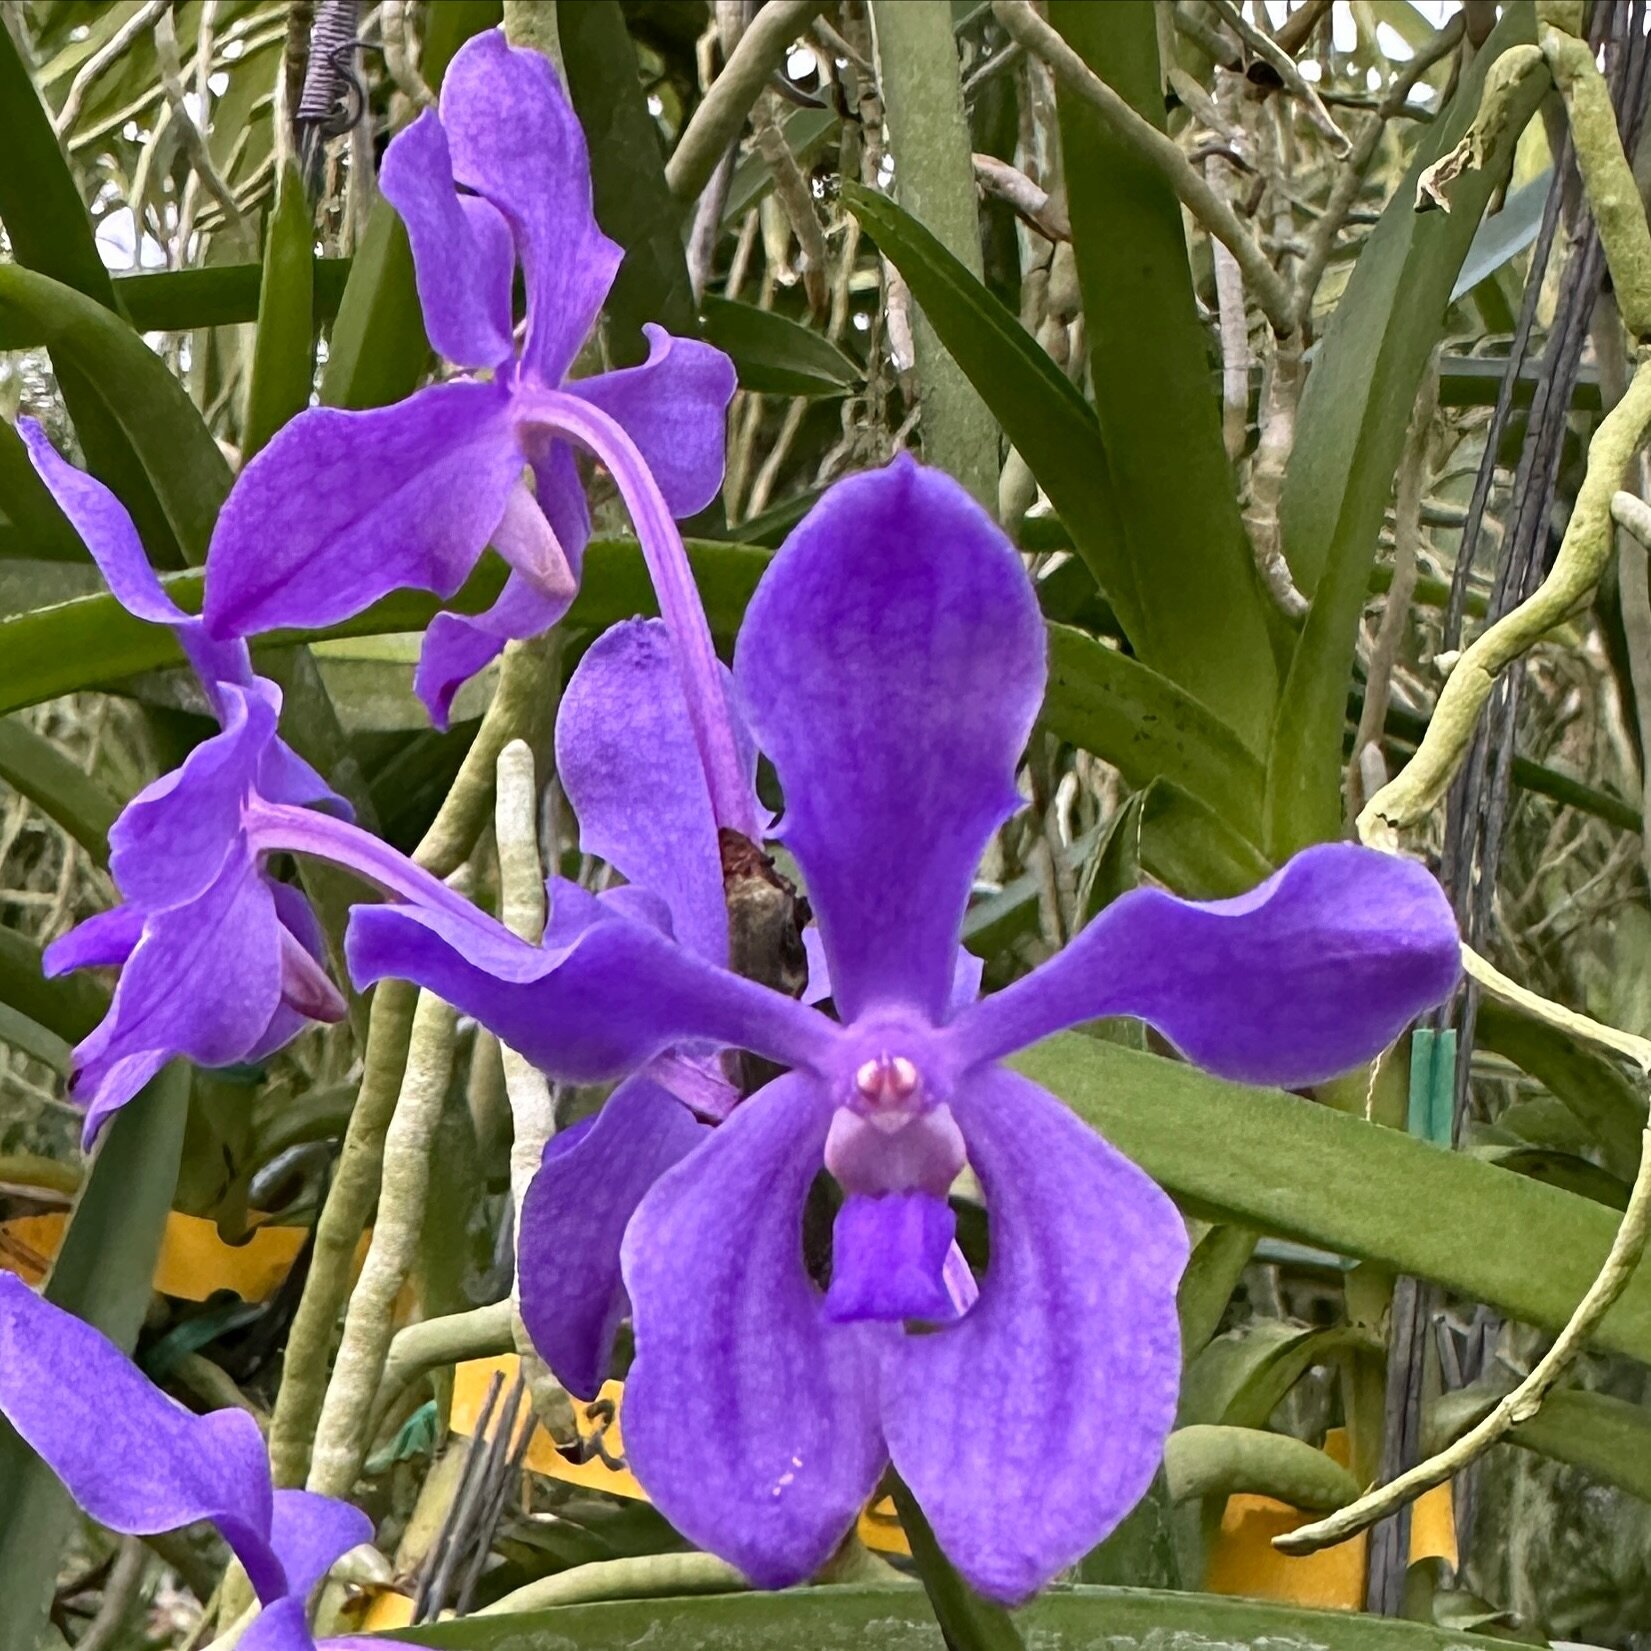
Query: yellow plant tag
{"points": [[1243, 1560], [470, 1381], [194, 1263]]}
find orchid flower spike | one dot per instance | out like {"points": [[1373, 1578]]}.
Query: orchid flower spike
{"points": [[343, 507], [891, 665], [219, 961], [137, 1462]]}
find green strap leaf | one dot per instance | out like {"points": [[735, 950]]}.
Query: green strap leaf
{"points": [[893, 1619], [776, 355], [283, 355], [1205, 1460], [1351, 428], [133, 391], [1051, 425], [1148, 728], [1172, 484], [1272, 1161], [60, 789], [1606, 1437], [102, 1274]]}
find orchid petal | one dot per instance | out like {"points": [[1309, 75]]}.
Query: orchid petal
{"points": [[599, 1007], [627, 760], [134, 1459], [458, 645], [891, 664], [674, 407], [106, 528], [574, 1216], [204, 981], [1074, 1338], [107, 938], [967, 973], [311, 1533], [525, 540], [888, 1259], [1312, 973], [283, 1626], [342, 508], [732, 1344], [516, 141], [462, 254], [172, 839]]}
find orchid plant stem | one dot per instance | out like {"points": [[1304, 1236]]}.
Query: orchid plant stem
{"points": [[518, 705], [1272, 292], [481, 1333], [649, 1576], [1518, 1406], [343, 1433]]}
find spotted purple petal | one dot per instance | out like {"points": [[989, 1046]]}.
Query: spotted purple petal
{"points": [[891, 664], [342, 508], [731, 1344], [574, 1216], [516, 141], [1313, 972], [1031, 1426], [462, 253], [457, 645], [674, 407]]}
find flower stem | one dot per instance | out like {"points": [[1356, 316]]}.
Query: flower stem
{"points": [[732, 798]]}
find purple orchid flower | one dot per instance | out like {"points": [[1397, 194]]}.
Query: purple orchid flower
{"points": [[343, 507], [219, 961], [891, 665], [137, 1462]]}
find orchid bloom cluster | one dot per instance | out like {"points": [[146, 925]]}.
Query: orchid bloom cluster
{"points": [[890, 667]]}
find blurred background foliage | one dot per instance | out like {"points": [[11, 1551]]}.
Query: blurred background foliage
{"points": [[1262, 505]]}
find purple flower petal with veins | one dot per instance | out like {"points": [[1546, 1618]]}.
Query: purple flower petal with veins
{"points": [[219, 962], [891, 665], [342, 508], [136, 1461]]}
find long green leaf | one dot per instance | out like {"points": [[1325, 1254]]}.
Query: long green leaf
{"points": [[283, 358], [1286, 1166], [1172, 484], [1140, 722], [627, 164], [1609, 1438], [51, 232], [93, 642], [131, 384], [890, 1619], [186, 300], [33, 767], [1351, 429], [102, 1274], [776, 355]]}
